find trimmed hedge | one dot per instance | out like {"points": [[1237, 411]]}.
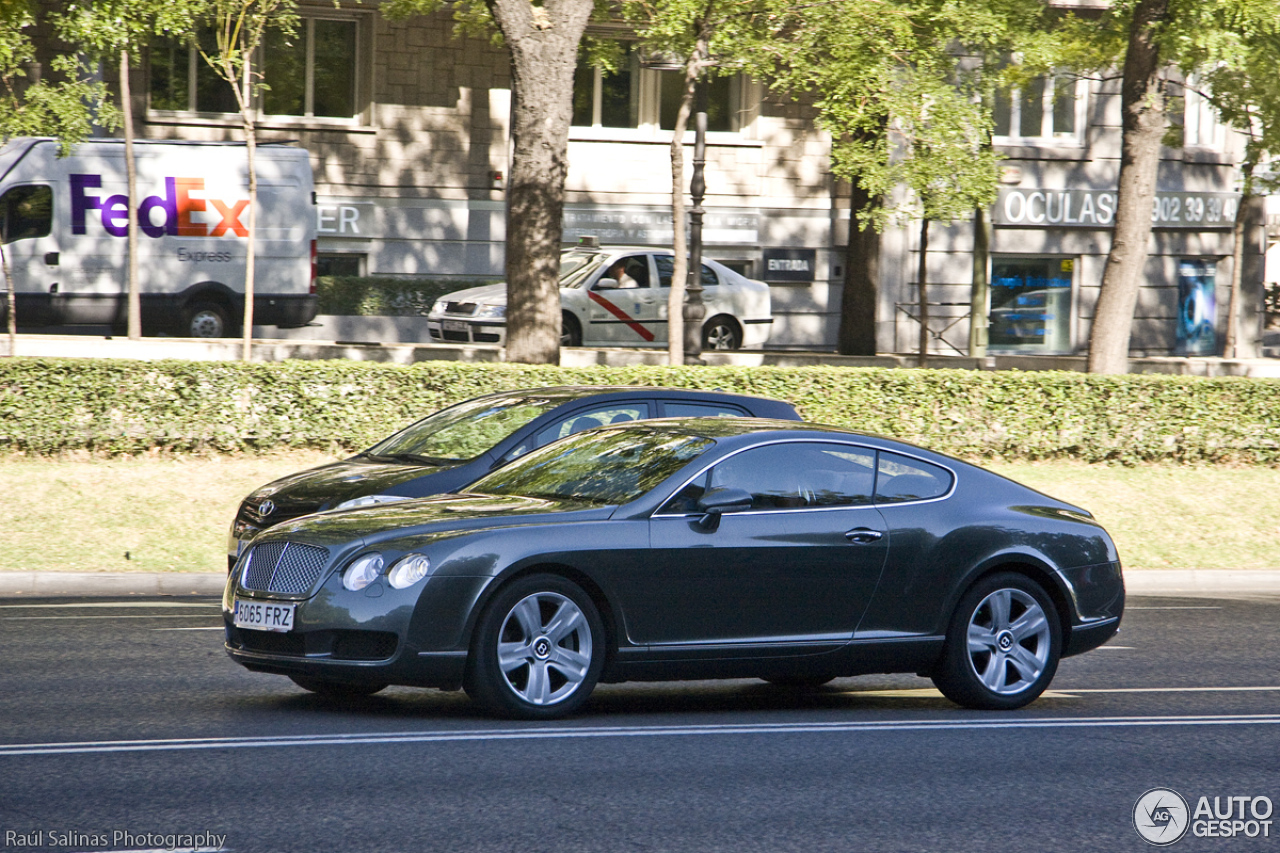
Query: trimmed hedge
{"points": [[379, 296], [52, 406]]}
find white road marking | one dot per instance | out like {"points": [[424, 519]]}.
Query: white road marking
{"points": [[215, 628], [1173, 607], [532, 733], [1119, 648], [1170, 689]]}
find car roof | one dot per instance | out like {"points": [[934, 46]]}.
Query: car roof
{"points": [[568, 393]]}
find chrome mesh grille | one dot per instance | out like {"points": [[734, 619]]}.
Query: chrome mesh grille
{"points": [[285, 567]]}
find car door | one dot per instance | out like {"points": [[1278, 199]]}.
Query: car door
{"points": [[625, 316], [799, 566], [26, 228]]}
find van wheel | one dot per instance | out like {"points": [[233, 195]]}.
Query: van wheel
{"points": [[206, 320]]}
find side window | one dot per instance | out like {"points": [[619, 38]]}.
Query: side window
{"points": [[26, 212], [701, 410], [578, 421], [903, 479], [630, 272], [667, 264]]}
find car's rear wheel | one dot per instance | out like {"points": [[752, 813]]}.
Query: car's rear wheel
{"points": [[538, 649], [721, 333], [1003, 645], [335, 689], [570, 330]]}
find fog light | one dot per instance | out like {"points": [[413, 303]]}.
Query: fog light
{"points": [[362, 572], [409, 570]]}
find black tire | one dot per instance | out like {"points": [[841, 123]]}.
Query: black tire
{"points": [[799, 682], [1012, 653], [553, 641], [721, 333], [570, 330], [335, 689], [206, 320]]}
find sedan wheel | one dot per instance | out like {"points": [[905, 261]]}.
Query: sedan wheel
{"points": [[721, 333], [1003, 646], [538, 649]]}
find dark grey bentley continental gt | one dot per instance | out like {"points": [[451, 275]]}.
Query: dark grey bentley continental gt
{"points": [[680, 549], [446, 450]]}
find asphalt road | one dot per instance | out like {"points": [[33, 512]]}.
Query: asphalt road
{"points": [[124, 726]]}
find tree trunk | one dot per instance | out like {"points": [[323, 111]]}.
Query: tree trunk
{"points": [[979, 297], [922, 280], [679, 241], [134, 306], [1142, 105], [1237, 257], [250, 139], [543, 43], [860, 293]]}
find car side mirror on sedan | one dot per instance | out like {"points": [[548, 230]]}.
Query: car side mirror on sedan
{"points": [[607, 284], [716, 502]]}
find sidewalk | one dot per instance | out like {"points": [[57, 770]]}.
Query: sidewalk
{"points": [[1207, 583]]}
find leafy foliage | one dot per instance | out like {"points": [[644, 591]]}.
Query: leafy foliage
{"points": [[377, 296], [58, 406]]}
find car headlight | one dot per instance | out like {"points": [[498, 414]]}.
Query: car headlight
{"points": [[491, 311], [362, 572], [409, 570], [370, 500], [437, 308]]}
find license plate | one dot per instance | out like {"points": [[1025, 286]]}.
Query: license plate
{"points": [[455, 325], [264, 616]]}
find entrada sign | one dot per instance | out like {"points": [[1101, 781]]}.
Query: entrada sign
{"points": [[1040, 208]]}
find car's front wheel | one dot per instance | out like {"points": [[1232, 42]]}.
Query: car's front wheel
{"points": [[538, 649], [206, 320], [1003, 645]]}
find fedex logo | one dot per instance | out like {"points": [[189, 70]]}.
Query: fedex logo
{"points": [[182, 198]]}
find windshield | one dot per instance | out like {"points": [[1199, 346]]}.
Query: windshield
{"points": [[576, 266], [605, 466], [462, 432]]}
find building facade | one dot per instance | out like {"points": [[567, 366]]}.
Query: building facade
{"points": [[408, 129]]}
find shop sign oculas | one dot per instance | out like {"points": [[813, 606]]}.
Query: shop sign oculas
{"points": [[1039, 208]]}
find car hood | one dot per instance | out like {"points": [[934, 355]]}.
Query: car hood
{"points": [[427, 516], [485, 294], [330, 485]]}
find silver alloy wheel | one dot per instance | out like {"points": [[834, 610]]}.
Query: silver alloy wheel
{"points": [[721, 335], [544, 648], [1008, 641]]}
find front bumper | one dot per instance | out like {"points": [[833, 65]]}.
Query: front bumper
{"points": [[417, 636], [466, 331]]}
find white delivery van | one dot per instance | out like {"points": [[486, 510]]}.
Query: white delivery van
{"points": [[64, 221]]}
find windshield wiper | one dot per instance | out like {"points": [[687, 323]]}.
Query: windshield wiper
{"points": [[418, 459]]}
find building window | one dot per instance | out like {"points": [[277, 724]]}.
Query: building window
{"points": [[1050, 108], [1030, 304], [1192, 119], [633, 96], [311, 74]]}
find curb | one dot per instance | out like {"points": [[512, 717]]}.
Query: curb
{"points": [[1147, 582], [22, 584]]}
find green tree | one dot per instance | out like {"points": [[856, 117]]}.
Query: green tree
{"points": [[541, 40], [119, 30], [66, 106], [239, 27], [1155, 42]]}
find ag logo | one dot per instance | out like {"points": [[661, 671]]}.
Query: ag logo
{"points": [[1161, 816]]}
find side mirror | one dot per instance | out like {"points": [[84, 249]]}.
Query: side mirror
{"points": [[716, 502], [607, 284]]}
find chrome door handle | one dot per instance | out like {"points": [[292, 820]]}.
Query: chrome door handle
{"points": [[864, 535]]}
